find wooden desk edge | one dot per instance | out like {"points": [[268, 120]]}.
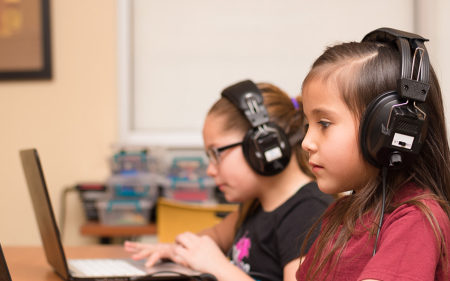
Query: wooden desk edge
{"points": [[197, 206]]}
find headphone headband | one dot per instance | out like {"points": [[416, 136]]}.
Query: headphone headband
{"points": [[390, 34], [247, 97], [407, 86]]}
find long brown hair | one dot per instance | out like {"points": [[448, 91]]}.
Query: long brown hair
{"points": [[281, 111], [362, 71]]}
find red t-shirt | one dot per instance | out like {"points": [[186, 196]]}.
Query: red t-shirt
{"points": [[407, 246]]}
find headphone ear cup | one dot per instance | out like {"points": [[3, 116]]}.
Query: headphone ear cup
{"points": [[375, 116], [378, 147], [257, 146], [366, 129]]}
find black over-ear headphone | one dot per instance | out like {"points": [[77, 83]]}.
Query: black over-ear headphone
{"points": [[394, 125], [266, 146]]}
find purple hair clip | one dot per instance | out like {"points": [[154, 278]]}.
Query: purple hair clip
{"points": [[295, 103]]}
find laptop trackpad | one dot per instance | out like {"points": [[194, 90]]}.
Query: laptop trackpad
{"points": [[165, 268]]}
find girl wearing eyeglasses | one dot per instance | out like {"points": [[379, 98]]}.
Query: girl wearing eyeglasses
{"points": [[263, 238]]}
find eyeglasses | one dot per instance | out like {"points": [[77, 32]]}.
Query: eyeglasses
{"points": [[214, 153]]}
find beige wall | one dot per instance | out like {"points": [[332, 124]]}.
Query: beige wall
{"points": [[71, 119], [433, 23], [441, 61]]}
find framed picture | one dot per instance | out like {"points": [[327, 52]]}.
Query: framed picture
{"points": [[25, 51]]}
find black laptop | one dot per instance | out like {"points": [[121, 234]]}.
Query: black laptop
{"points": [[4, 272], [87, 269]]}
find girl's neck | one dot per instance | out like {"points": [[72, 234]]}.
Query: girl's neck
{"points": [[276, 190]]}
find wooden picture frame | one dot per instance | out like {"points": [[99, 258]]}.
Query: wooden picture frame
{"points": [[25, 51]]}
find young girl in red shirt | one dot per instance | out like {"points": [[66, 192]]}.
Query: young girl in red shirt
{"points": [[378, 132]]}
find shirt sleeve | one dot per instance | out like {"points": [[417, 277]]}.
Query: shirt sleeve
{"points": [[407, 248], [295, 226]]}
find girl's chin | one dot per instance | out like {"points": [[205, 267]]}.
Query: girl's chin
{"points": [[233, 199], [230, 199], [326, 188]]}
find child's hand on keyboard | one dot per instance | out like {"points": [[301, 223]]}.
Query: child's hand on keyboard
{"points": [[153, 252], [200, 253]]}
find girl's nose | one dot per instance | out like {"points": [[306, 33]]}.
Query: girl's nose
{"points": [[308, 143], [211, 170]]}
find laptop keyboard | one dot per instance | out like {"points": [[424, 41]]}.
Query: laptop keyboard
{"points": [[105, 267]]}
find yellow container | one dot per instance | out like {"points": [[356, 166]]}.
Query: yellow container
{"points": [[175, 217]]}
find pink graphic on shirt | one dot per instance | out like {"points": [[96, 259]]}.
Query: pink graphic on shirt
{"points": [[241, 250], [243, 246]]}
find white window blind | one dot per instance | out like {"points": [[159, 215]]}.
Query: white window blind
{"points": [[175, 56]]}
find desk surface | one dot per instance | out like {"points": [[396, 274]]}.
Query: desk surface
{"points": [[30, 264], [98, 229]]}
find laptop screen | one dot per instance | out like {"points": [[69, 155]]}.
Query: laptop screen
{"points": [[4, 272], [44, 212]]}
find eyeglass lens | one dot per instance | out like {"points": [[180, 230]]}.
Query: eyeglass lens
{"points": [[212, 156]]}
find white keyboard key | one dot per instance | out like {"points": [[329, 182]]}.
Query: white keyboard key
{"points": [[106, 267]]}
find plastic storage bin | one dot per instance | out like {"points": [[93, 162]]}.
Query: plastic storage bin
{"points": [[124, 212], [187, 181], [135, 160], [201, 190], [133, 186]]}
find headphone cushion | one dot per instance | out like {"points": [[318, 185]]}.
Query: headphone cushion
{"points": [[256, 158], [376, 112]]}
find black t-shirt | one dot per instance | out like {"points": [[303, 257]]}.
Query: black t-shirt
{"points": [[267, 241]]}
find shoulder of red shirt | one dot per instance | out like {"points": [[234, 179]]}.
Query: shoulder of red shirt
{"points": [[408, 191]]}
